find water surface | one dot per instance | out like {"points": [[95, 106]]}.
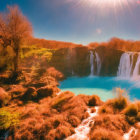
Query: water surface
{"points": [[101, 86]]}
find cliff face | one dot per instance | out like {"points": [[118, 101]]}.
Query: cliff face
{"points": [[110, 59], [77, 61], [72, 61]]}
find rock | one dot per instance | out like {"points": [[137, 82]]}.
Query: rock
{"points": [[61, 99], [46, 91], [4, 97], [30, 94], [17, 91], [110, 59]]}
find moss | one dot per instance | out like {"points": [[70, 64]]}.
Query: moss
{"points": [[8, 119], [36, 51]]}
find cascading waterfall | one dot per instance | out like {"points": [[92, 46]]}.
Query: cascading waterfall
{"points": [[98, 61], [95, 58], [91, 63], [127, 68], [137, 67]]}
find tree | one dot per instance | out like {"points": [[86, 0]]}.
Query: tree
{"points": [[14, 28]]}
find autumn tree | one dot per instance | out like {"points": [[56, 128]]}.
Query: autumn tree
{"points": [[14, 28]]}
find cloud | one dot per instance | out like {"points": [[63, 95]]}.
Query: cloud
{"points": [[98, 31]]}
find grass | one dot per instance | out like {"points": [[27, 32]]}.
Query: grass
{"points": [[36, 51]]}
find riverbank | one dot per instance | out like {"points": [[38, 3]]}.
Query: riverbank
{"points": [[38, 110]]}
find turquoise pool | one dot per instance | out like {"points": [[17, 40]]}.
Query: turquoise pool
{"points": [[101, 86]]}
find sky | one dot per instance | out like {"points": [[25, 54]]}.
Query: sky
{"points": [[81, 21]]}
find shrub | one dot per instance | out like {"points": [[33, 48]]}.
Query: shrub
{"points": [[105, 109], [116, 123], [74, 121], [94, 100], [8, 119], [120, 103], [131, 110], [138, 116], [131, 120], [121, 100], [62, 98], [62, 132], [104, 134], [138, 105]]}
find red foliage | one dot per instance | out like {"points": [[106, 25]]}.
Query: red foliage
{"points": [[55, 73]]}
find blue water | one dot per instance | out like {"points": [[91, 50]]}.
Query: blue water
{"points": [[101, 86]]}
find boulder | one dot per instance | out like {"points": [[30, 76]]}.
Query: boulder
{"points": [[30, 94], [46, 91]]}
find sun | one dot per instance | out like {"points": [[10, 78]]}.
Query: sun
{"points": [[111, 3]]}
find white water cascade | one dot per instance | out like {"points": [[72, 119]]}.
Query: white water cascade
{"points": [[82, 131], [98, 61], [137, 67], [127, 67], [91, 63], [95, 58]]}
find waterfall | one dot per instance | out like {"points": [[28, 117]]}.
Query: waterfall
{"points": [[91, 63], [82, 131], [127, 67], [98, 61], [137, 67], [95, 58]]}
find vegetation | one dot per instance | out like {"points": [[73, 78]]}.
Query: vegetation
{"points": [[94, 101], [8, 119], [62, 98], [14, 27], [104, 134]]}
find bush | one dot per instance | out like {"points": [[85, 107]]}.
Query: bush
{"points": [[131, 120], [8, 119], [120, 103], [104, 134], [74, 121], [62, 132], [94, 100], [138, 116], [116, 123], [105, 109], [62, 98], [131, 110]]}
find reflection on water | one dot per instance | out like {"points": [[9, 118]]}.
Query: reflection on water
{"points": [[102, 86]]}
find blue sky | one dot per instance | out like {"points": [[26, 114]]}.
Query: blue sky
{"points": [[79, 21]]}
